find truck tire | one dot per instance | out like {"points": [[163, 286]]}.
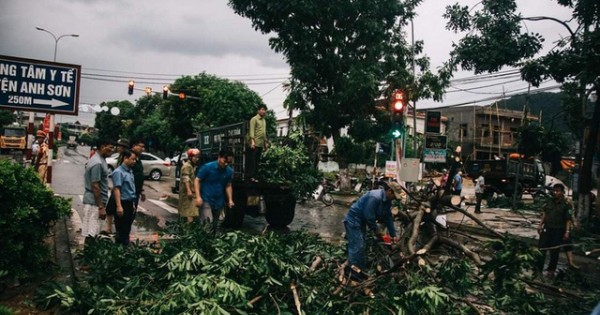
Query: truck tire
{"points": [[509, 190], [280, 209], [234, 217]]}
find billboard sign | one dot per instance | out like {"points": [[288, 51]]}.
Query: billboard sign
{"points": [[39, 86], [433, 122], [435, 142], [434, 155]]}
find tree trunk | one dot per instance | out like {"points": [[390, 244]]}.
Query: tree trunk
{"points": [[585, 174]]}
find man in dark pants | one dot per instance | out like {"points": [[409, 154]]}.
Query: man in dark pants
{"points": [[372, 206], [555, 227], [138, 147], [257, 140], [125, 197]]}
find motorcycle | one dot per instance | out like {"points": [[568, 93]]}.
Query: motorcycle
{"points": [[543, 192], [323, 192]]}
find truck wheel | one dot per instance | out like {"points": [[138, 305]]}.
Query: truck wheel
{"points": [[234, 217], [519, 192], [280, 209]]}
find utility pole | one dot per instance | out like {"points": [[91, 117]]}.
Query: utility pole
{"points": [[31, 115]]}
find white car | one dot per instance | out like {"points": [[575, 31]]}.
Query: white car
{"points": [[175, 158], [154, 167]]}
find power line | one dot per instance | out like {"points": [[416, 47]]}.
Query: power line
{"points": [[506, 95], [179, 74]]}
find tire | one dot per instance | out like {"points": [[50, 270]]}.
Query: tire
{"points": [[234, 217], [280, 209], [155, 175], [327, 199]]}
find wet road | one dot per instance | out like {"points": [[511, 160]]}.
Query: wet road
{"points": [[159, 208]]}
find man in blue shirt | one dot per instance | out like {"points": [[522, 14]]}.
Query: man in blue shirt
{"points": [[373, 206], [457, 184], [125, 197], [212, 184]]}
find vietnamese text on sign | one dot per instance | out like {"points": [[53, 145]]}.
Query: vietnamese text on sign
{"points": [[41, 86]]}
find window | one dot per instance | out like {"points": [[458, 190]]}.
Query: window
{"points": [[463, 130], [485, 130], [496, 134]]}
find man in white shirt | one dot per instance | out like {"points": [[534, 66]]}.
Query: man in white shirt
{"points": [[479, 190]]}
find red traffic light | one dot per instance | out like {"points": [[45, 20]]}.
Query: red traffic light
{"points": [[398, 101]]}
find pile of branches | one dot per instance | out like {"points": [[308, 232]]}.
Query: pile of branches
{"points": [[232, 272]]}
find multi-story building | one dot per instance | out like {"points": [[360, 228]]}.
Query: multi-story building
{"points": [[484, 132]]}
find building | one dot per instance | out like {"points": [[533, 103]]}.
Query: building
{"points": [[484, 132]]}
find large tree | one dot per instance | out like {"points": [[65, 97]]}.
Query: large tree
{"points": [[343, 56], [210, 102], [164, 124], [496, 38], [6, 117]]}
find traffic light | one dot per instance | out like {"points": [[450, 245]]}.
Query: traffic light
{"points": [[165, 92], [181, 95], [148, 90], [397, 106], [397, 130], [130, 87]]}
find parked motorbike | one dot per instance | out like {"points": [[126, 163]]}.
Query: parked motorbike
{"points": [[323, 192], [543, 192]]}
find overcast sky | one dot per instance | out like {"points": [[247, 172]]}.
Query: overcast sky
{"points": [[158, 41]]}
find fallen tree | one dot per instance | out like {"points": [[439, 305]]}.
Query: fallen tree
{"points": [[196, 272]]}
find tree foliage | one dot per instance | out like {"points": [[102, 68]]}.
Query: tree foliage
{"points": [[340, 52], [6, 117], [198, 272]]}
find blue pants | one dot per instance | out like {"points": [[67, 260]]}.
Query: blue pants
{"points": [[355, 235]]}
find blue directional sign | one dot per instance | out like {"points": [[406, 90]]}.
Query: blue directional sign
{"points": [[39, 86]]}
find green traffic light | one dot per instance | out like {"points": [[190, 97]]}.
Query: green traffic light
{"points": [[396, 133]]}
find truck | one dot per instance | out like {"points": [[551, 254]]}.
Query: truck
{"points": [[12, 138], [275, 201], [501, 175]]}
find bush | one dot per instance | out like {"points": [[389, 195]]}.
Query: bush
{"points": [[290, 164], [28, 211]]}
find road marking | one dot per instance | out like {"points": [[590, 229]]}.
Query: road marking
{"points": [[164, 206], [141, 209]]}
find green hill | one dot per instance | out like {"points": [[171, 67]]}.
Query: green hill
{"points": [[546, 105]]}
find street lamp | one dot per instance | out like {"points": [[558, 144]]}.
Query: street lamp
{"points": [[56, 39], [32, 117]]}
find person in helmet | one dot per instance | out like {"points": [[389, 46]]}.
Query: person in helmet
{"points": [[187, 204], [41, 157]]}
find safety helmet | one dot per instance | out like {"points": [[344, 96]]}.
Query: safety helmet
{"points": [[192, 152]]}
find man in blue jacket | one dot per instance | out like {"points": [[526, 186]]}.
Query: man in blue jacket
{"points": [[373, 206]]}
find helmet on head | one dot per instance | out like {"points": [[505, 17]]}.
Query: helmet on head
{"points": [[192, 152]]}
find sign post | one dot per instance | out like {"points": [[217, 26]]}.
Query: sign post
{"points": [[40, 86]]}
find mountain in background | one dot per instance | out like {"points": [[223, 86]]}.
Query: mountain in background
{"points": [[547, 106]]}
